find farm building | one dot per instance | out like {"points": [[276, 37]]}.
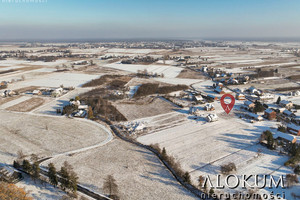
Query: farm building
{"points": [[83, 107], [198, 98], [9, 174], [255, 91], [57, 92], [286, 104], [212, 97], [285, 137], [266, 96], [240, 96], [254, 116], [75, 102], [37, 92], [3, 84], [212, 118], [288, 113], [220, 84], [219, 90], [270, 114], [249, 105], [80, 113], [2, 94], [209, 107], [293, 129], [232, 81]]}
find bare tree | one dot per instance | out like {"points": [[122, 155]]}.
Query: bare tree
{"points": [[20, 156]]}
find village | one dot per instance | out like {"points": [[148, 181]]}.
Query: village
{"points": [[102, 106]]}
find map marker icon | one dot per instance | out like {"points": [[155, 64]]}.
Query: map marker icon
{"points": [[227, 107]]}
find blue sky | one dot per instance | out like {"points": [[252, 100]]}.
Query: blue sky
{"points": [[75, 19]]}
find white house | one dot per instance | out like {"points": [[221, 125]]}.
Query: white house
{"points": [[212, 118]]}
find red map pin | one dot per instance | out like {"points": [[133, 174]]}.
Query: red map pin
{"points": [[227, 107]]}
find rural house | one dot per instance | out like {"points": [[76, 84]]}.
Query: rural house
{"points": [[270, 114], [286, 104], [249, 105], [240, 96], [293, 129]]}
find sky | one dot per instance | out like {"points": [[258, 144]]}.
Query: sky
{"points": [[168, 19]]}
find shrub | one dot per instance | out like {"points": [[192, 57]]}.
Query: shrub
{"points": [[297, 170], [12, 192], [227, 168], [281, 128], [153, 88], [187, 178], [291, 179]]}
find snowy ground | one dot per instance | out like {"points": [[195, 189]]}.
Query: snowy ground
{"points": [[44, 136], [138, 173], [40, 191], [57, 79], [168, 71]]}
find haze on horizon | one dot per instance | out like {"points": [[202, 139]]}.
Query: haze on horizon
{"points": [[93, 19]]}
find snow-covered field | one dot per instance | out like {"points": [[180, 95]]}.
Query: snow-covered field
{"points": [[40, 191], [57, 79], [175, 81], [168, 71], [43, 135], [133, 51], [138, 173]]}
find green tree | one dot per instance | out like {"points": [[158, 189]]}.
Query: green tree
{"points": [[164, 153], [35, 171], [73, 181], [258, 107], [211, 191], [281, 128], [52, 174], [65, 177], [297, 170], [26, 166], [270, 140], [278, 100], [187, 178]]}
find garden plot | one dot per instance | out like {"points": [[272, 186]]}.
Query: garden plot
{"points": [[168, 71], [27, 105], [14, 102], [134, 110], [44, 136], [57, 79], [139, 174]]}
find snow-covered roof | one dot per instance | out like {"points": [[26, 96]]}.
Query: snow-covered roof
{"points": [[248, 103], [293, 126], [254, 115], [269, 111], [287, 136], [287, 112], [284, 102]]}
